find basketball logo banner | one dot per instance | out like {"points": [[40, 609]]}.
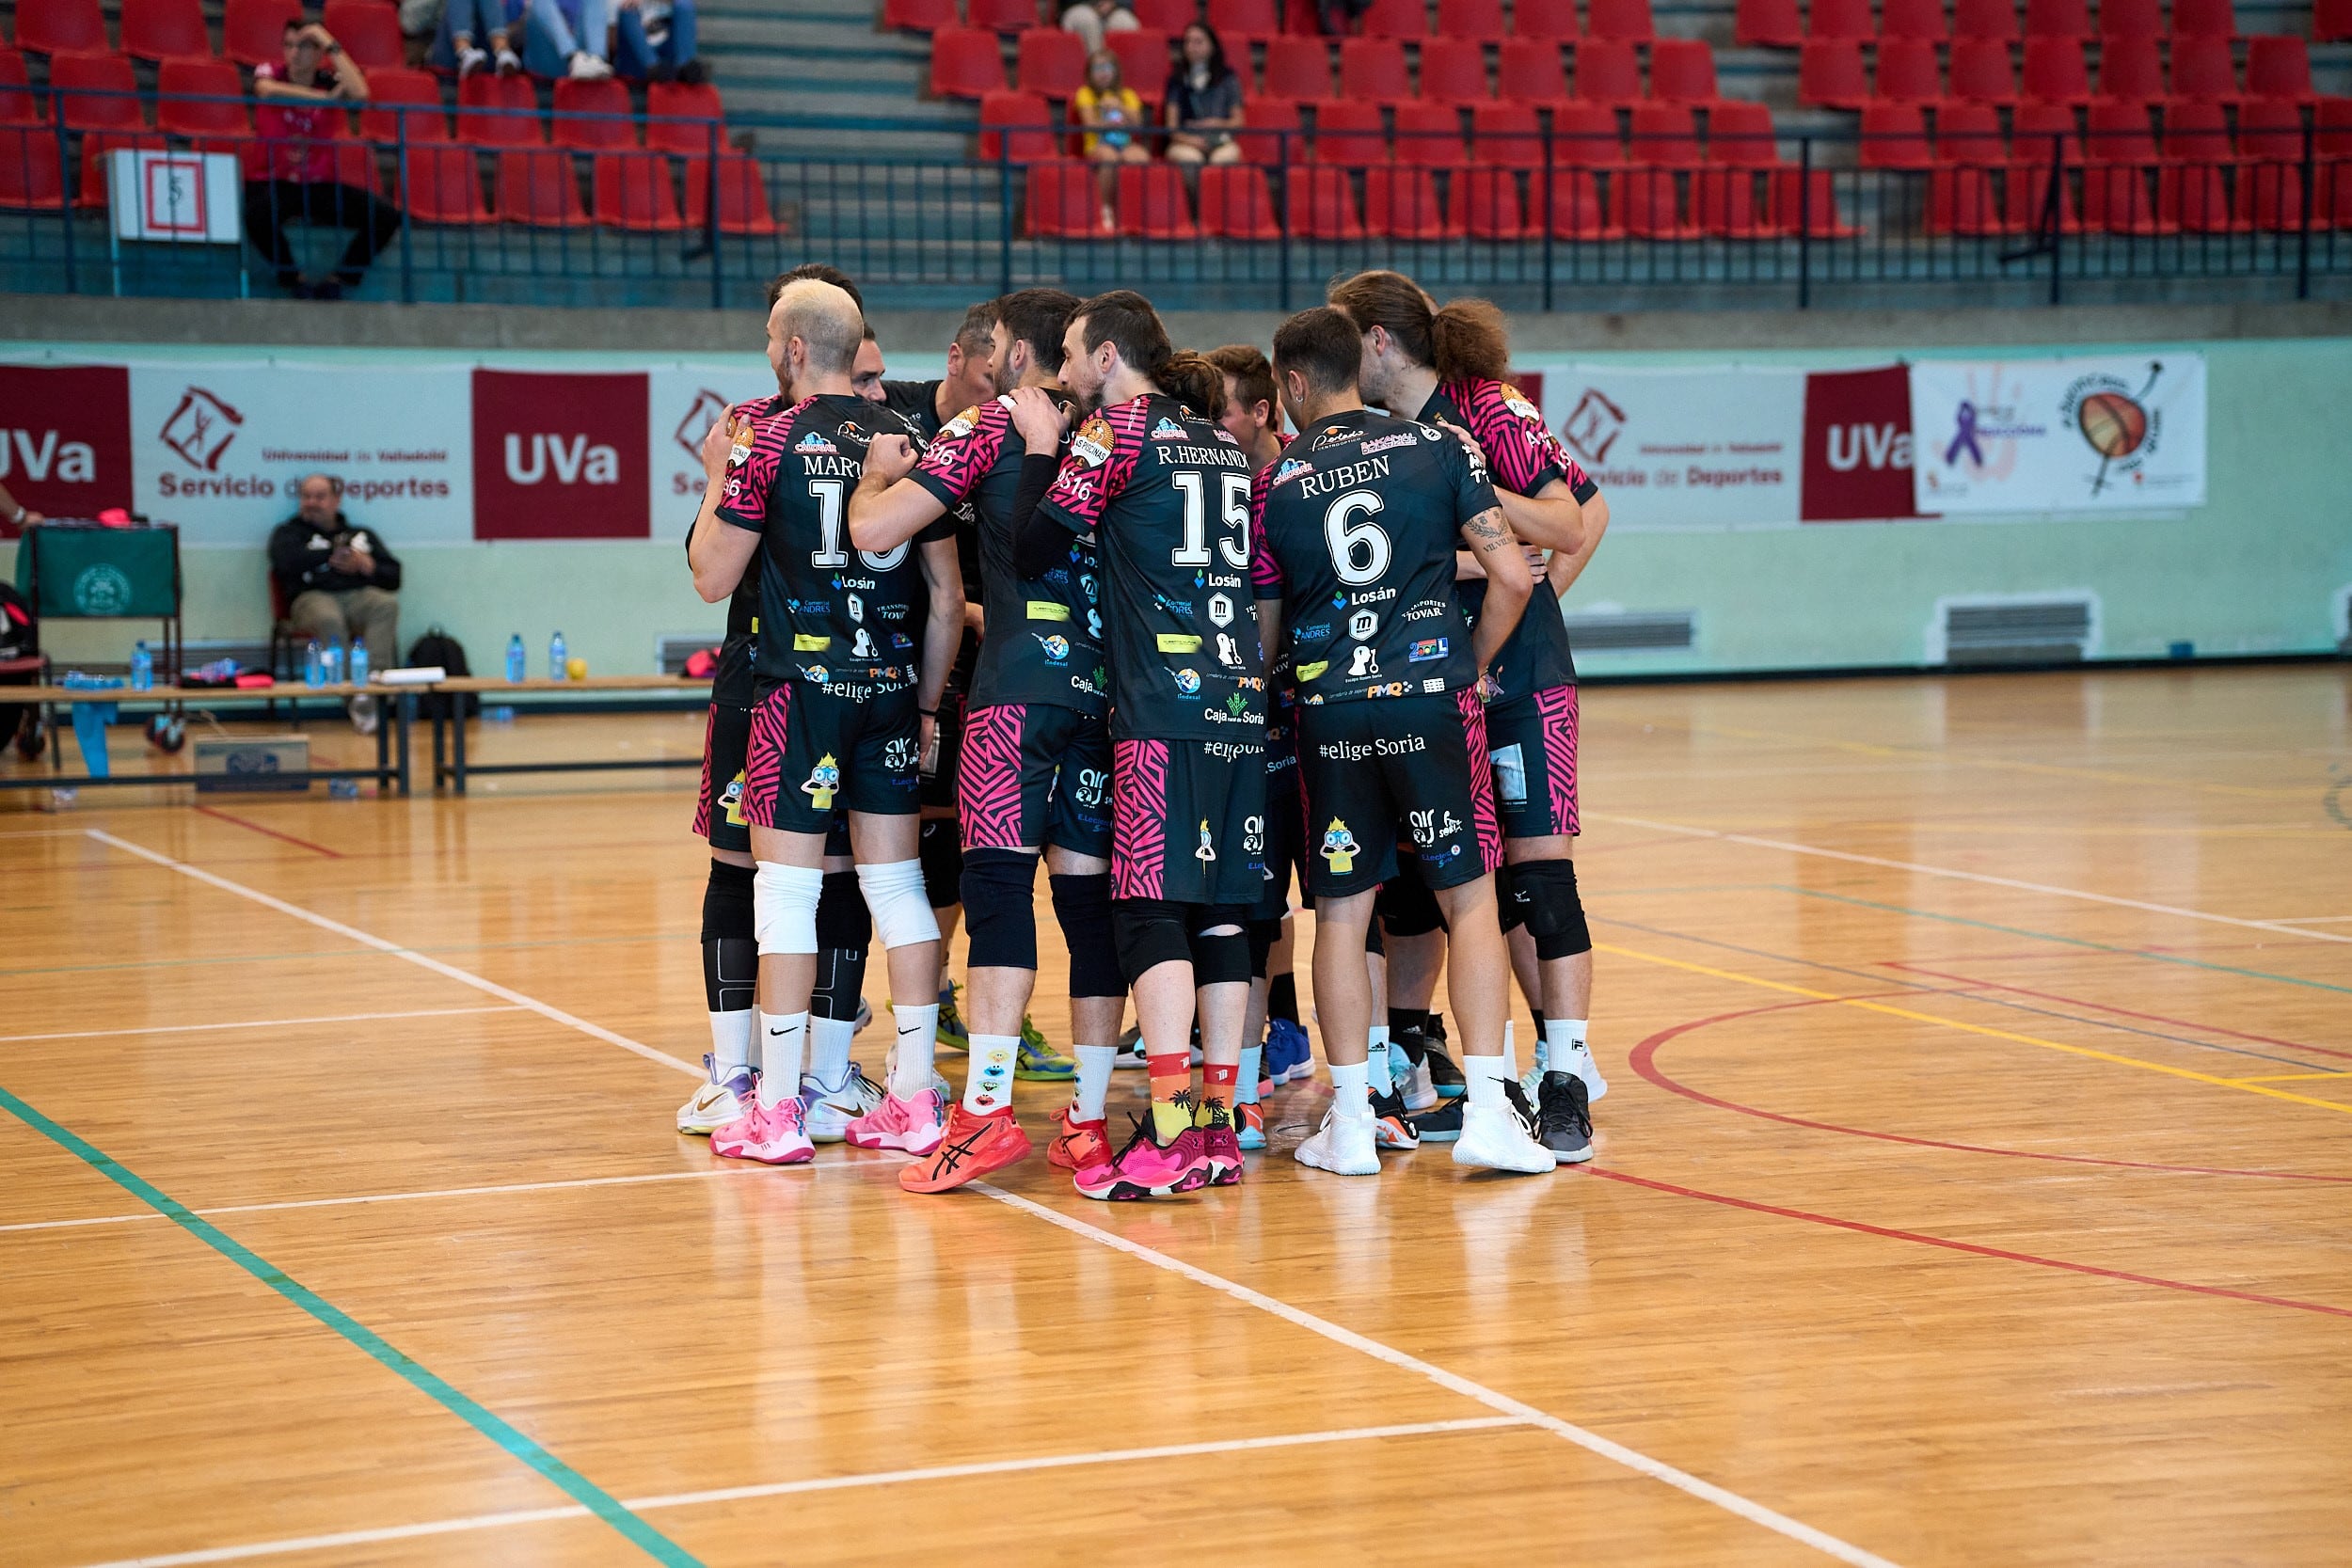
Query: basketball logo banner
{"points": [[2115, 433]]}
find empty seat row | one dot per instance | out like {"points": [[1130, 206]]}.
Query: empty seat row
{"points": [[2171, 198], [1895, 136], [253, 31], [1832, 75], [1775, 24], [1244, 22]]}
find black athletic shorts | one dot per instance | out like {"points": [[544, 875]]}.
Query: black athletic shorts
{"points": [[1380, 768], [1285, 831], [939, 782], [814, 748], [719, 812], [1189, 820], [1034, 774], [1532, 741]]}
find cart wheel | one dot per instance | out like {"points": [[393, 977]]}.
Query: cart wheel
{"points": [[167, 733]]}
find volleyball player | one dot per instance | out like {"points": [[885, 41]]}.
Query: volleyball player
{"points": [[1353, 556], [836, 716]]}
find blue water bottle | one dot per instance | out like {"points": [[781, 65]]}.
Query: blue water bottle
{"points": [[358, 664], [331, 664], [515, 658], [555, 657], [313, 664], [142, 667]]}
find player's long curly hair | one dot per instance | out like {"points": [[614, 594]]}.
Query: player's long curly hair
{"points": [[1124, 318], [1464, 341]]}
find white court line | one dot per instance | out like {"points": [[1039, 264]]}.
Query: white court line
{"points": [[463, 977], [2280, 925], [790, 1488], [255, 1023], [1722, 1498]]}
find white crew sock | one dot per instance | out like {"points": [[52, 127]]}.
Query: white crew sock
{"points": [[1564, 1046], [1510, 1051], [1486, 1075], [829, 1050], [1351, 1091], [1095, 1066], [1379, 1061], [988, 1079], [918, 1042], [783, 1040], [758, 1038], [731, 1038], [1245, 1087]]}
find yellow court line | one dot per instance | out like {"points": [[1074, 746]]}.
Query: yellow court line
{"points": [[2287, 1077], [2248, 1085]]}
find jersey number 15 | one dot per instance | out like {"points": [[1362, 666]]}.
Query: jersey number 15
{"points": [[1193, 551]]}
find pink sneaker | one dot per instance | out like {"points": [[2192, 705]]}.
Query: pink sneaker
{"points": [[1220, 1145], [912, 1125], [1145, 1169], [772, 1134]]}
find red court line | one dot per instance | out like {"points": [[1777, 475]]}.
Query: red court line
{"points": [[256, 827], [2119, 1012], [1949, 1246], [1644, 1060]]}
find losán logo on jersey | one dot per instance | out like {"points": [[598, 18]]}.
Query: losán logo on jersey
{"points": [[65, 439], [560, 456]]}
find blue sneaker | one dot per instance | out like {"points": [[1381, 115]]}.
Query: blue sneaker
{"points": [[1249, 1125], [1289, 1058]]}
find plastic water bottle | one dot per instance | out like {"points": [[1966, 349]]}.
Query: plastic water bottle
{"points": [[515, 668], [142, 667], [313, 664], [555, 657], [358, 664], [331, 664]]}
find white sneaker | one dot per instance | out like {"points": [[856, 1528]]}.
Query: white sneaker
{"points": [[722, 1097], [1494, 1138], [587, 68], [1344, 1145], [471, 59], [831, 1109], [509, 63], [1586, 1065], [1420, 1092]]}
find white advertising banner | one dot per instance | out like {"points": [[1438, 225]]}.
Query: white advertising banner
{"points": [[684, 402], [1709, 448], [218, 447], [2108, 434]]}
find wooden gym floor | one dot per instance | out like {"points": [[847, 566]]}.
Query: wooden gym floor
{"points": [[1975, 1187]]}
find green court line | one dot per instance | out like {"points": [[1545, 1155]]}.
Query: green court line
{"points": [[2069, 941], [573, 1485]]}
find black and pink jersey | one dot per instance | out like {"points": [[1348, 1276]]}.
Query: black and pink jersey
{"points": [[1043, 638], [731, 683], [1522, 456], [1165, 493], [828, 614], [1353, 529]]}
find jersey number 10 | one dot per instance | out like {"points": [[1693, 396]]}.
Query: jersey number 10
{"points": [[829, 554]]}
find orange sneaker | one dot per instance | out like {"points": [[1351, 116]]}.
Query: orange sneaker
{"points": [[1077, 1144], [971, 1148]]}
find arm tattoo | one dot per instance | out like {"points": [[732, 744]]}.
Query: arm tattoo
{"points": [[1488, 529]]}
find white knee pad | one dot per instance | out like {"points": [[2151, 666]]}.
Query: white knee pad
{"points": [[902, 911], [783, 907]]}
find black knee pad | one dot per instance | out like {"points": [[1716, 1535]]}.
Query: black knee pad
{"points": [[728, 904], [1151, 932], [842, 918], [1000, 893], [941, 855], [840, 983], [1083, 906], [1264, 934], [1223, 958], [730, 974], [1507, 906], [1547, 901], [1405, 907]]}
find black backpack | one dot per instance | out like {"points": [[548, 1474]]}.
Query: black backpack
{"points": [[439, 647], [20, 628]]}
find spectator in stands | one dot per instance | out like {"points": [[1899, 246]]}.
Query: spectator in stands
{"points": [[299, 114], [339, 582], [1113, 116], [1203, 101], [419, 24], [17, 515], [561, 37], [1336, 15], [1091, 19], [473, 34], [655, 38]]}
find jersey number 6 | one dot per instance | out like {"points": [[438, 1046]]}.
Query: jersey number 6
{"points": [[1359, 549]]}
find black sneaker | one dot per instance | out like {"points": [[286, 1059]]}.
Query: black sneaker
{"points": [[1516, 1097], [1442, 1125], [1444, 1076], [1391, 1129], [1564, 1119]]}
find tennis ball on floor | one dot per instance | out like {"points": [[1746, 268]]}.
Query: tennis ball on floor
{"points": [[577, 669]]}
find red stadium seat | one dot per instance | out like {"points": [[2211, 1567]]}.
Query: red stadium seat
{"points": [[1991, 20], [1623, 21], [1242, 23], [1016, 127], [1969, 133], [1723, 204], [216, 83], [253, 32], [1766, 25], [1981, 72], [1740, 132], [2202, 67], [1665, 135], [1527, 71], [1477, 21], [63, 27], [101, 93], [633, 192], [1506, 135], [1050, 62], [2131, 68], [2266, 128], [2269, 199], [1143, 61], [967, 62], [1964, 200], [1584, 136], [681, 118], [2120, 134], [16, 98], [2198, 198], [1319, 203], [1840, 19], [1608, 72], [1830, 75], [2117, 200], [594, 116], [1683, 70], [1912, 19], [1454, 71], [1269, 119], [1402, 205], [1395, 19], [403, 102], [1647, 204], [1169, 16], [1235, 203], [1484, 203], [2279, 67], [918, 16], [2210, 19], [30, 179], [1063, 202], [2331, 21], [1350, 133], [742, 188], [538, 186], [1298, 68], [498, 111], [369, 31], [1553, 20], [443, 185], [1003, 16], [1577, 212], [2130, 19], [2026, 191], [1428, 136], [2197, 133], [173, 30], [1299, 16], [1372, 71], [1798, 205], [2055, 72], [1907, 72], [1152, 203], [1895, 136], [2058, 19], [2034, 125], [2270, 194]]}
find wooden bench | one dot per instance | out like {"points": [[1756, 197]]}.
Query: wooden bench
{"points": [[391, 759]]}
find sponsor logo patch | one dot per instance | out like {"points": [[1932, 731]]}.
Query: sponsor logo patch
{"points": [[1339, 847], [1188, 682], [815, 442], [1168, 430], [1176, 643], [1428, 649]]}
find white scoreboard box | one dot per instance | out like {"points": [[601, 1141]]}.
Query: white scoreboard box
{"points": [[188, 196]]}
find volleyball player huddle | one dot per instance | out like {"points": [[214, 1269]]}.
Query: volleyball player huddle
{"points": [[1206, 659]]}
